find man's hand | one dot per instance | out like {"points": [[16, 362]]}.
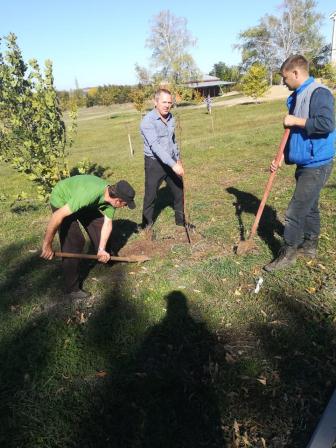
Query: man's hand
{"points": [[178, 168], [47, 251], [53, 224], [103, 256], [274, 167], [291, 120]]}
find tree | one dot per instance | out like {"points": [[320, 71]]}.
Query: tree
{"points": [[143, 74], [257, 47], [33, 137], [328, 72], [140, 97], [295, 31], [169, 40], [254, 83], [225, 72]]}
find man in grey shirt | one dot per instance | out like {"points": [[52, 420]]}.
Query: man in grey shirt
{"points": [[162, 158]]}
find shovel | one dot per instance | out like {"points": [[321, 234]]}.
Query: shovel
{"points": [[130, 259], [248, 245]]}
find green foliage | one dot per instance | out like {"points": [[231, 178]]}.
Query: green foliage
{"points": [[319, 60], [226, 72], [277, 79], [96, 96], [32, 134], [254, 83], [140, 96], [295, 30], [328, 73]]}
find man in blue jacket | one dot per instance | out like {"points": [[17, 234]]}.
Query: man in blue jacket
{"points": [[162, 158], [311, 119]]}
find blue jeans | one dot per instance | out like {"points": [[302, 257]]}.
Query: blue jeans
{"points": [[303, 216]]}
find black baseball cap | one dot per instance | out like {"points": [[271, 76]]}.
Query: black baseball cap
{"points": [[125, 192]]}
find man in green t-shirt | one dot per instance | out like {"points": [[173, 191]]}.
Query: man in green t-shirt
{"points": [[91, 201]]}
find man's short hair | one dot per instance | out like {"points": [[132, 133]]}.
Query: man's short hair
{"points": [[295, 61], [159, 91], [112, 191]]}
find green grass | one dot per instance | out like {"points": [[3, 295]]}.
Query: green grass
{"points": [[178, 352]]}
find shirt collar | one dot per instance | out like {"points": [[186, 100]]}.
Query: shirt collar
{"points": [[158, 116]]}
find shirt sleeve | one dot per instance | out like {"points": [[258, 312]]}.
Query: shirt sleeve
{"points": [[176, 148], [107, 210], [321, 113], [149, 133]]}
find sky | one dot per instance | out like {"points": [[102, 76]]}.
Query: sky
{"points": [[98, 42]]}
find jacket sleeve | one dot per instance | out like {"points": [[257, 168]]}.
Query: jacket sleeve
{"points": [[321, 113], [152, 139]]}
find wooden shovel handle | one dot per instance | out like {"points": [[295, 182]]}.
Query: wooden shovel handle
{"points": [[270, 182], [92, 257]]}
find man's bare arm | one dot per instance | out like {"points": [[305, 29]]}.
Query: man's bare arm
{"points": [[52, 227], [106, 230]]}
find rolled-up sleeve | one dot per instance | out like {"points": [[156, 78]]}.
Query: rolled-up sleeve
{"points": [[152, 139], [322, 116]]}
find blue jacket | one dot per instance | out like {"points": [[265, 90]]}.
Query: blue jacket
{"points": [[313, 145]]}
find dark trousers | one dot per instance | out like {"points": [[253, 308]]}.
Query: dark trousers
{"points": [[72, 240], [303, 215], [155, 173]]}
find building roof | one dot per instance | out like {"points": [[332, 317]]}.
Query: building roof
{"points": [[209, 83]]}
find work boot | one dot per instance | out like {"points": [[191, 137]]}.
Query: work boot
{"points": [[308, 248], [285, 259]]}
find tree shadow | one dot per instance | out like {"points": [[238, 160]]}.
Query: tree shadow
{"points": [[164, 200], [162, 393], [18, 208], [24, 359], [269, 223], [27, 339], [25, 276], [87, 167]]}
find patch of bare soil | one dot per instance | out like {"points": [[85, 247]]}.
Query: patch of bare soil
{"points": [[163, 246]]}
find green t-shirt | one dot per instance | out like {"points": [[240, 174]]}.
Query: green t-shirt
{"points": [[82, 191]]}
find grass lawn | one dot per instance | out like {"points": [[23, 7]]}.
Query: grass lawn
{"points": [[177, 352]]}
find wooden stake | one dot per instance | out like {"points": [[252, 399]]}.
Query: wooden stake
{"points": [[130, 145]]}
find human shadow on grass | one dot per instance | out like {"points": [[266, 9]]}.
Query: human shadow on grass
{"points": [[162, 393], [301, 346], [268, 225]]}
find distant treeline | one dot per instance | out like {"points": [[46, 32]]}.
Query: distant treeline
{"points": [[96, 96]]}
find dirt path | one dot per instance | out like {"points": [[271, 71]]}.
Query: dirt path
{"points": [[274, 93]]}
